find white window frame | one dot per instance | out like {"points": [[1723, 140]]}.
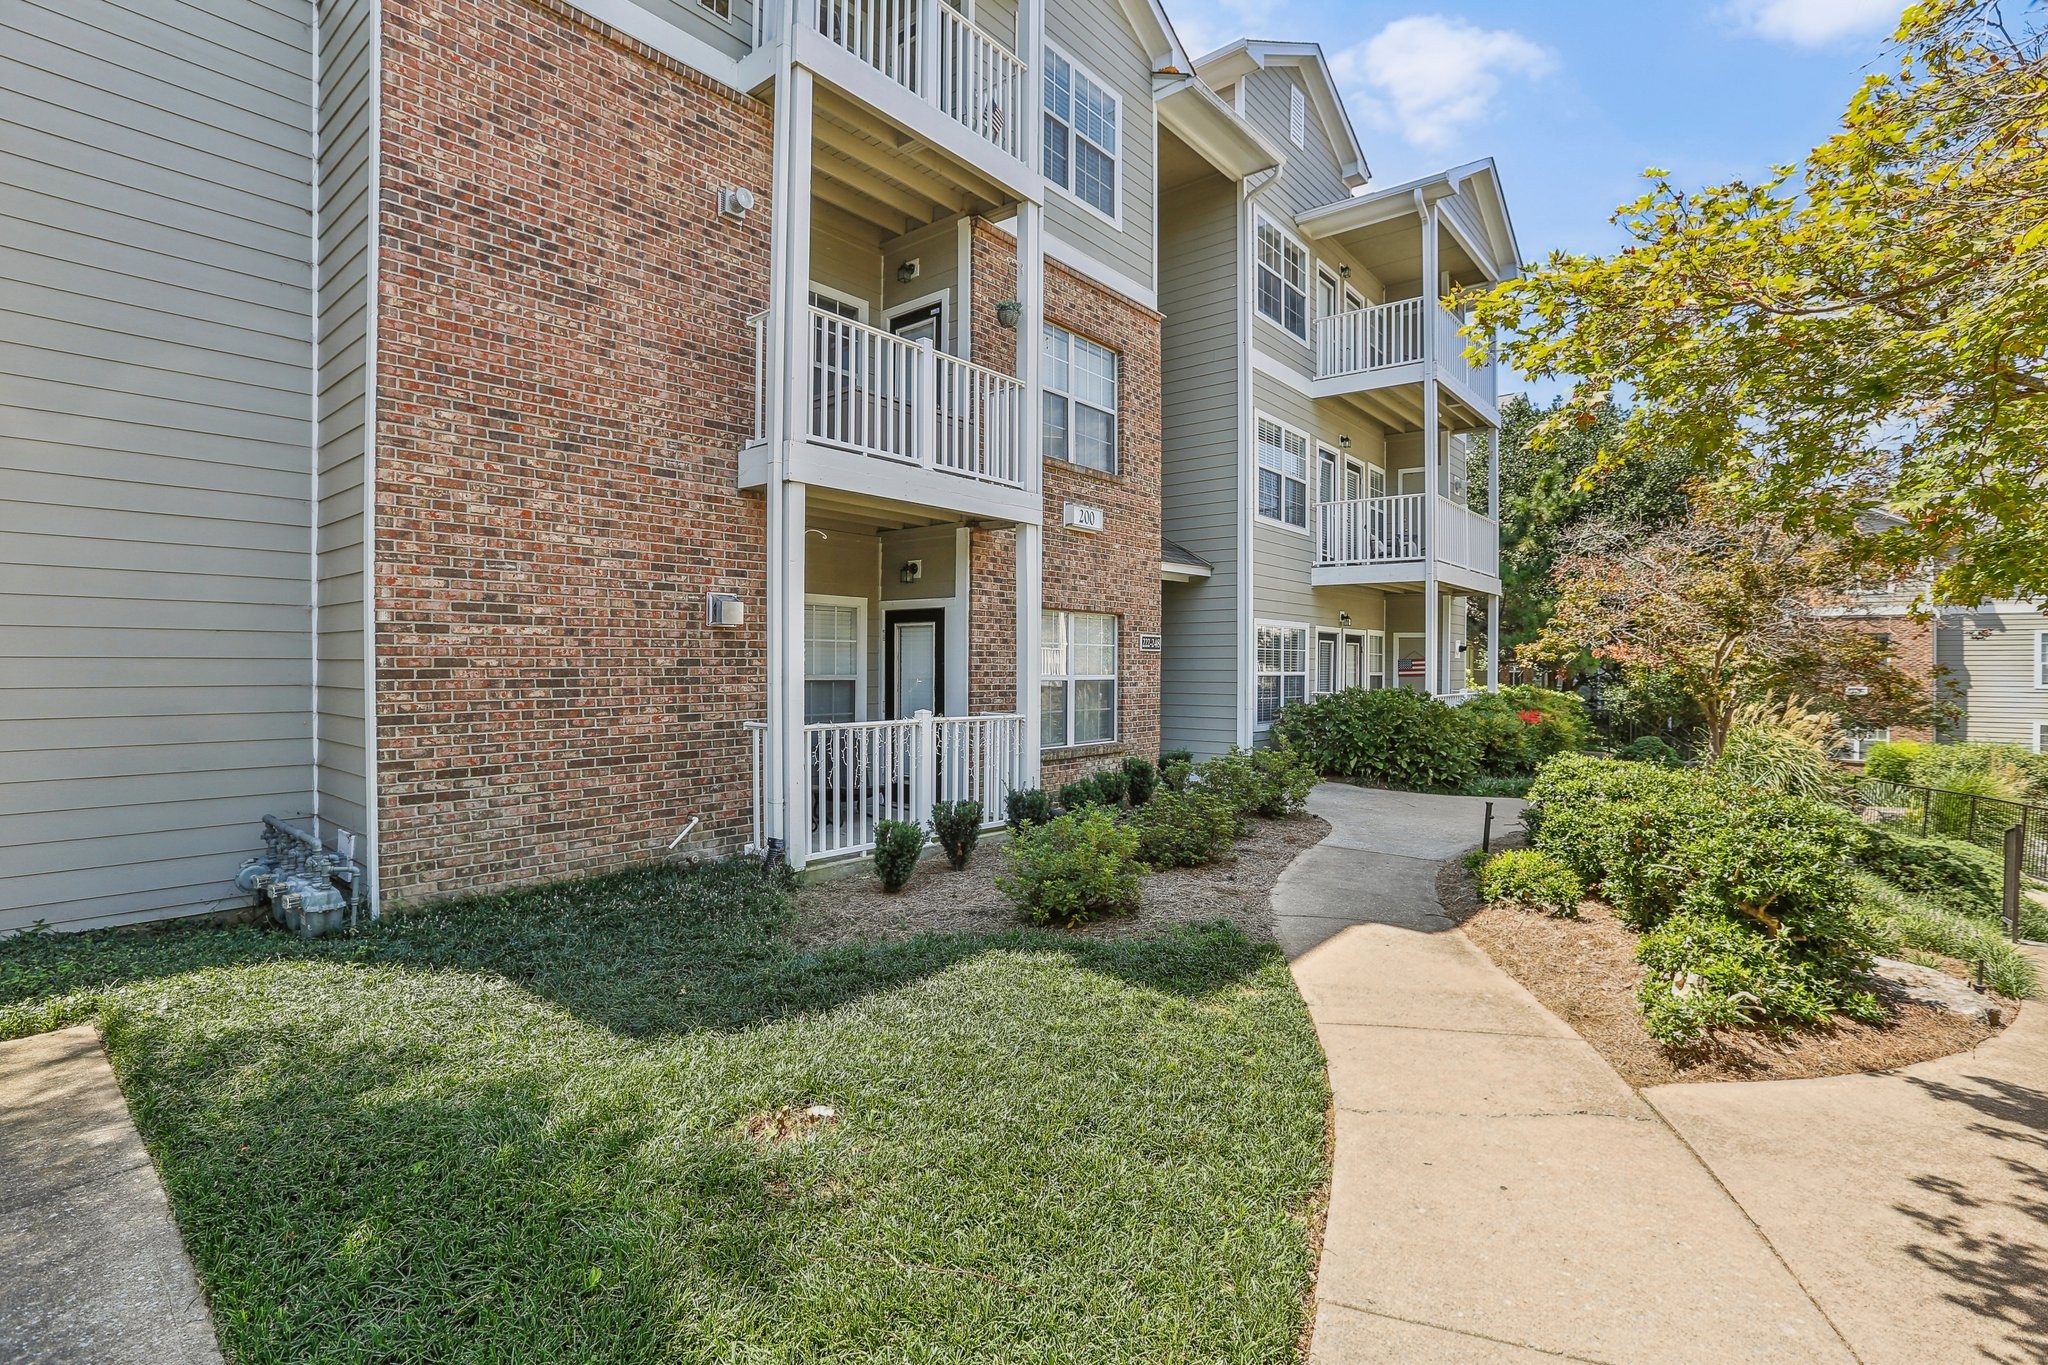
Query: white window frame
{"points": [[1115, 154], [1261, 221], [1116, 382], [1070, 677], [853, 301], [1297, 115], [1858, 742], [1260, 672], [2041, 736], [860, 653], [1307, 478], [943, 298], [2041, 660], [1376, 677], [1335, 640]]}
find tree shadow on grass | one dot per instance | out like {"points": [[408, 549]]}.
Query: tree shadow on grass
{"points": [[647, 952], [1996, 1265]]}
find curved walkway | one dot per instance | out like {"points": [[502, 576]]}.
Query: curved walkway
{"points": [[1499, 1194]]}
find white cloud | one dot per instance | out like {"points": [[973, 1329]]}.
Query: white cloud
{"points": [[1431, 77], [1815, 23]]}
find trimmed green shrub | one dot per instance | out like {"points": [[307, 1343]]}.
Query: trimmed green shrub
{"points": [[1142, 779], [1891, 761], [1184, 829], [1174, 773], [1167, 756], [1532, 878], [1079, 867], [1709, 973], [1113, 786], [1947, 874], [1389, 736], [1028, 806], [1080, 794], [898, 845], [1518, 728], [1649, 749], [957, 826], [1270, 782]]}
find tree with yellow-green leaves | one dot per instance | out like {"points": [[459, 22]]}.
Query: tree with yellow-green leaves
{"points": [[1866, 329]]}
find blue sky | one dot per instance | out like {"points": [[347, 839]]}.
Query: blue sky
{"points": [[1573, 97]]}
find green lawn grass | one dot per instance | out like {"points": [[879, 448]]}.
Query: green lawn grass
{"points": [[511, 1130]]}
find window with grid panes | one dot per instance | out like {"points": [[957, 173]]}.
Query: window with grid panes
{"points": [[1283, 474], [1077, 679], [1283, 280], [1080, 134], [1080, 383], [1283, 668]]}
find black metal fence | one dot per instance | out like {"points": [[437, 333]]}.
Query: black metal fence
{"points": [[1968, 816]]}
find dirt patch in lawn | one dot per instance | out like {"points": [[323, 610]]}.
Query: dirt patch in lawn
{"points": [[1585, 972], [853, 908]]}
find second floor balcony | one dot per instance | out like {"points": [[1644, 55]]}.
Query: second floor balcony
{"points": [[1392, 343], [870, 404], [1394, 539]]}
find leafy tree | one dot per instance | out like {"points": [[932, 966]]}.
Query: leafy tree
{"points": [[1728, 608], [1550, 488], [1866, 328]]}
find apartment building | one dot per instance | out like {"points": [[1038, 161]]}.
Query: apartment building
{"points": [[1985, 665], [503, 436], [1329, 442]]}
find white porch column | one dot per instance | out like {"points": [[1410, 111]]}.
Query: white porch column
{"points": [[787, 807], [1493, 642], [1030, 540], [1432, 463]]}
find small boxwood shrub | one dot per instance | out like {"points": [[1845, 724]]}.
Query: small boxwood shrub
{"points": [[1708, 973], [1080, 794], [1077, 868], [1027, 806], [1174, 773], [1141, 778], [1532, 878], [1892, 760], [898, 845], [1269, 782], [1113, 786], [1388, 736], [1518, 728], [1649, 749], [957, 827], [1184, 829]]}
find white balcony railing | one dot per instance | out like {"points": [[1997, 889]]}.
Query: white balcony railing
{"points": [[962, 71], [1400, 529], [1388, 530], [1366, 339], [861, 773], [875, 393], [1477, 378]]}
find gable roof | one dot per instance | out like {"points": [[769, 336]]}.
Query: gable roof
{"points": [[1227, 66], [1148, 20], [1478, 181]]}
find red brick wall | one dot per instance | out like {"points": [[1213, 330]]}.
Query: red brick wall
{"points": [[564, 379], [1912, 649], [1114, 570]]}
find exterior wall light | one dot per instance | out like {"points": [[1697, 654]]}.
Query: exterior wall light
{"points": [[912, 570], [906, 272]]}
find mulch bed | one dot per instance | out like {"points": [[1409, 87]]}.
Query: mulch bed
{"points": [[853, 908], [1585, 972]]}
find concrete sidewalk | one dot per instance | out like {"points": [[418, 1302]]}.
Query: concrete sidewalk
{"points": [[92, 1271], [1913, 1204], [1499, 1194]]}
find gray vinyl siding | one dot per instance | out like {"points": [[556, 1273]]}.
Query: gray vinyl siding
{"points": [[1994, 677], [1281, 556], [1199, 364], [1311, 176], [347, 31], [844, 258], [733, 36], [155, 420], [1097, 37], [936, 249]]}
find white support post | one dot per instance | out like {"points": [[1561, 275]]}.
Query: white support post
{"points": [[924, 405], [927, 50], [1432, 463], [1493, 485], [1030, 541], [1493, 642], [788, 807], [1030, 573], [1031, 51], [924, 777]]}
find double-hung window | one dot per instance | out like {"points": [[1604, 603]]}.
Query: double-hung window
{"points": [[1375, 658], [1283, 474], [1080, 134], [1080, 383], [834, 641], [1283, 279], [2041, 658], [1329, 645], [1283, 668], [1077, 679]]}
